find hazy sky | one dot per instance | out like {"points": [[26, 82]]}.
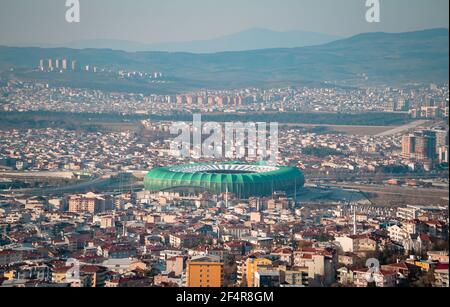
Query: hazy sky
{"points": [[149, 21]]}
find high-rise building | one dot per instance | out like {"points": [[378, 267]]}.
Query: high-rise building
{"points": [[403, 104], [408, 145], [430, 112], [50, 64], [442, 137], [267, 279], [420, 146], [41, 65], [176, 265], [426, 146], [64, 64], [189, 100], [251, 267], [107, 222], [204, 272], [240, 100], [443, 154], [200, 101], [211, 101], [220, 101], [180, 100], [391, 105], [429, 102], [89, 203], [74, 65], [57, 63], [171, 99]]}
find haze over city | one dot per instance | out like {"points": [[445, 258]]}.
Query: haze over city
{"points": [[158, 21]]}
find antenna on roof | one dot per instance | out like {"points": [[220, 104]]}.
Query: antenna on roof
{"points": [[295, 191], [226, 197], [353, 212], [273, 190]]}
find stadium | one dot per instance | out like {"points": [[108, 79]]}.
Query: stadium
{"points": [[243, 180]]}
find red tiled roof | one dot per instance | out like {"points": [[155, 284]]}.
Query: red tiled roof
{"points": [[401, 265], [425, 237], [442, 266], [91, 268], [306, 250]]}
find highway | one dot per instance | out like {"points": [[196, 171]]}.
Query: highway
{"points": [[96, 183], [371, 176], [404, 128], [37, 175]]}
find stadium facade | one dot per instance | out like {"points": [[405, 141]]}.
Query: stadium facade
{"points": [[243, 180]]}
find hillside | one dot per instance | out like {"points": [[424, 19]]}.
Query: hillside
{"points": [[365, 59], [251, 39]]}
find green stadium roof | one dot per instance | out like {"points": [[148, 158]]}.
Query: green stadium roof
{"points": [[243, 180]]}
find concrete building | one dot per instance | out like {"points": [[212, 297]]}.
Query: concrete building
{"points": [[204, 272], [357, 243], [89, 203], [267, 279], [176, 265], [420, 146], [441, 273], [379, 279]]}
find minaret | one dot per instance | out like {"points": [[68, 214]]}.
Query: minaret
{"points": [[226, 197], [355, 230], [295, 193]]}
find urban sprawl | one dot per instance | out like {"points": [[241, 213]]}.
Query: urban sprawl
{"points": [[73, 200]]}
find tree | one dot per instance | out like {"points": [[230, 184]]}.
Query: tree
{"points": [[425, 280]]}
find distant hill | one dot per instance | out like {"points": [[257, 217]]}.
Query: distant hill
{"points": [[365, 59], [246, 40]]}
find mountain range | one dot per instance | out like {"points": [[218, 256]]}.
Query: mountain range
{"points": [[252, 39], [363, 60]]}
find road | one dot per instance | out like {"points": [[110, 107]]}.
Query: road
{"points": [[399, 195], [77, 187], [37, 175], [374, 177], [404, 128]]}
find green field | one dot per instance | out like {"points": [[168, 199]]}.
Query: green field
{"points": [[117, 122]]}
